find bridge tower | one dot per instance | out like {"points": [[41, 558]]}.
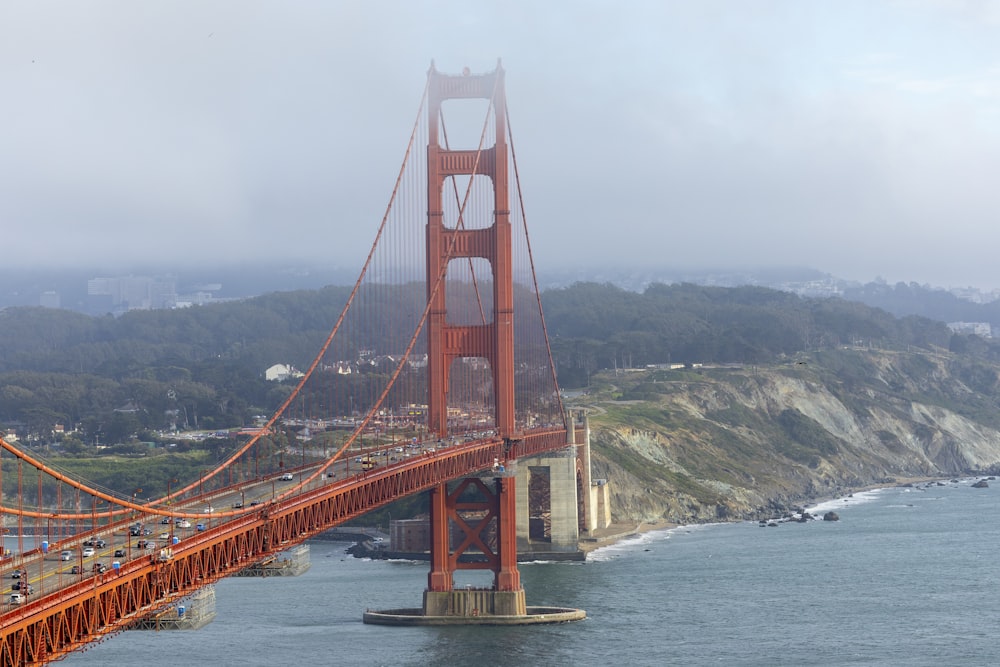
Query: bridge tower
{"points": [[485, 518], [492, 340]]}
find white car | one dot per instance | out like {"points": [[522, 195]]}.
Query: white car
{"points": [[287, 477], [16, 598], [66, 555], [88, 552], [183, 523]]}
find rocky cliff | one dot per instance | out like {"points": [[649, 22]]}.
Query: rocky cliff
{"points": [[722, 443]]}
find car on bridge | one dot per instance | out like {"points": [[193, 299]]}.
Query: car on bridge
{"points": [[100, 568], [17, 574], [17, 598], [287, 477], [119, 553], [76, 570], [183, 523], [88, 552], [66, 555]]}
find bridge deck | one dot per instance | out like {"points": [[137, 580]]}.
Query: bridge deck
{"points": [[69, 611]]}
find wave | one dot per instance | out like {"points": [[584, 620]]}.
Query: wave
{"points": [[859, 498], [639, 542]]}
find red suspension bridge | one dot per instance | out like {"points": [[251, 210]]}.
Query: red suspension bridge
{"points": [[436, 368]]}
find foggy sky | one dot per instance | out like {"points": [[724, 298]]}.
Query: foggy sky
{"points": [[860, 138]]}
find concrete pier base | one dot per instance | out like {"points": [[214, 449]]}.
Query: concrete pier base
{"points": [[474, 606], [290, 563], [193, 613], [473, 602]]}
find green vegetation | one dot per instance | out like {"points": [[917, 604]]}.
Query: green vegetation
{"points": [[119, 381], [145, 478], [601, 326]]}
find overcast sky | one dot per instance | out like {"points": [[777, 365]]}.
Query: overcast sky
{"points": [[860, 138]]}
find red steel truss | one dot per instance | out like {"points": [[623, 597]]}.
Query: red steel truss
{"points": [[49, 627]]}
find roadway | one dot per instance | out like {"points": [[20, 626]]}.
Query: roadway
{"points": [[49, 572]]}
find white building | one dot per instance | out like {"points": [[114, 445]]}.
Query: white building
{"points": [[279, 372]]}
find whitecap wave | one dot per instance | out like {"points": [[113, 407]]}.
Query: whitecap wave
{"points": [[638, 542], [858, 498]]}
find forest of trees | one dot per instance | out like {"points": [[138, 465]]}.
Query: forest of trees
{"points": [[203, 366], [597, 326]]}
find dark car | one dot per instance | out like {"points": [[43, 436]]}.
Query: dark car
{"points": [[100, 568], [76, 570], [16, 574], [119, 553]]}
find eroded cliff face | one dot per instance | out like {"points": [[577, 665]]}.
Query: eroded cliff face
{"points": [[729, 443]]}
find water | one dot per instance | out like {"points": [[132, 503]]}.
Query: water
{"points": [[904, 578]]}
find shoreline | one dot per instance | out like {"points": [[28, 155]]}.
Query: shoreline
{"points": [[620, 531]]}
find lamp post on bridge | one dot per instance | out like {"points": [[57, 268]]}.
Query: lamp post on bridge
{"points": [[135, 515], [169, 501], [170, 517], [48, 528]]}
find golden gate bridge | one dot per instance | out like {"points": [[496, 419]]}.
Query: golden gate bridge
{"points": [[436, 368]]}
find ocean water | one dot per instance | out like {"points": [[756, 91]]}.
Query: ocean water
{"points": [[906, 577]]}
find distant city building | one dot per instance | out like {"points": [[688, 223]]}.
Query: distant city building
{"points": [[49, 299], [195, 299], [975, 295], [978, 328], [134, 292]]}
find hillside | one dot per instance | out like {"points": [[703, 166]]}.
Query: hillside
{"points": [[784, 399], [743, 442]]}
